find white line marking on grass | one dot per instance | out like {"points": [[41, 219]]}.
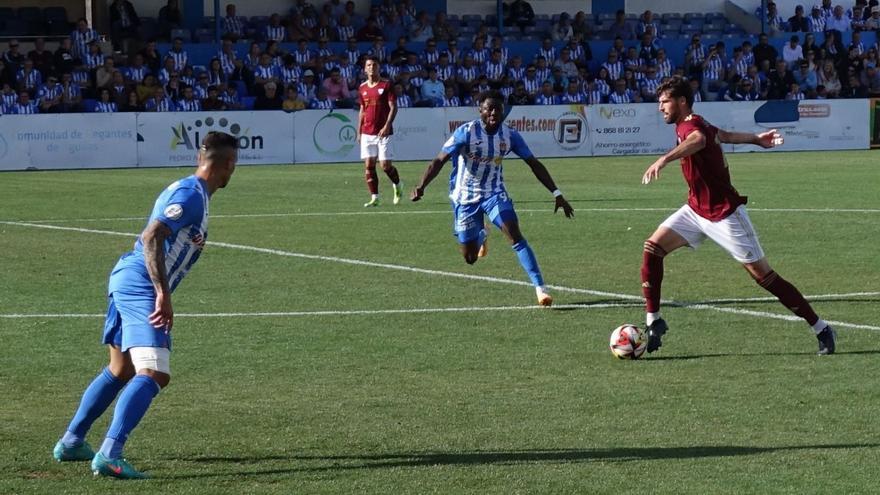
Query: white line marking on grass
{"points": [[614, 295], [352, 312], [440, 212], [817, 297]]}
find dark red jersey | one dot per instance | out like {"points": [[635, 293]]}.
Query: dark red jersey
{"points": [[710, 193], [376, 105]]}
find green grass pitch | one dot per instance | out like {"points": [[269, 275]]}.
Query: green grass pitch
{"points": [[450, 394]]}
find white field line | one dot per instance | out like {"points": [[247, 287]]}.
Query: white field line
{"points": [[349, 261], [440, 212], [353, 312]]}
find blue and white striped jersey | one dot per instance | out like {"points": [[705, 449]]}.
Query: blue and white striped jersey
{"points": [[185, 105], [476, 160], [181, 59], [109, 107], [183, 208]]}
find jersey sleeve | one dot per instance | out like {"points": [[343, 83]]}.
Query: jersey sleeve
{"points": [[456, 140], [689, 126], [392, 98], [184, 207], [518, 145]]}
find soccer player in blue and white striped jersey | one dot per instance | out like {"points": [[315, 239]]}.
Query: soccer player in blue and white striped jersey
{"points": [[476, 186], [140, 315]]}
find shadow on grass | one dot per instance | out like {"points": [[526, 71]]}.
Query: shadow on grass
{"points": [[758, 354], [478, 458]]}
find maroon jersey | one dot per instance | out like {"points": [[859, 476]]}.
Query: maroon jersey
{"points": [[376, 105], [710, 192]]}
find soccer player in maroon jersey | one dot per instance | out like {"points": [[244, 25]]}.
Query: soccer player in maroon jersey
{"points": [[378, 109], [714, 209]]}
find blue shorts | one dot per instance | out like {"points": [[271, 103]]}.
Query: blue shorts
{"points": [[467, 219], [128, 325]]}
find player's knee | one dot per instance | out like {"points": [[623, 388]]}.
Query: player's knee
{"points": [[153, 362], [122, 372], [386, 165], [654, 249]]}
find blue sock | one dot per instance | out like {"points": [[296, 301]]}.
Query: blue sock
{"points": [[481, 238], [529, 263], [130, 408], [95, 400]]}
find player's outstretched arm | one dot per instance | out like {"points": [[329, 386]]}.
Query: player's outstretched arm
{"points": [[430, 172], [153, 238], [692, 144], [767, 139], [543, 176]]}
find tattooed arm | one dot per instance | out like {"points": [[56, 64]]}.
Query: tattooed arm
{"points": [[153, 238]]}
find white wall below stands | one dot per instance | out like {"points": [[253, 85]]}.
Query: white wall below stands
{"points": [[70, 141]]}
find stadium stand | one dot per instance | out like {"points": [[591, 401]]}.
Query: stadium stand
{"points": [[687, 39]]}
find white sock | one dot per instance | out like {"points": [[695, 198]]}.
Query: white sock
{"points": [[540, 289], [650, 318], [374, 197], [819, 326]]}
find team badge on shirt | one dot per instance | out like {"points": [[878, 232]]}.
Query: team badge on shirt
{"points": [[381, 90], [173, 212]]}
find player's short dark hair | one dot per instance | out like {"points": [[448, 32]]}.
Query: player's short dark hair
{"points": [[677, 87], [492, 94], [217, 144], [374, 58]]}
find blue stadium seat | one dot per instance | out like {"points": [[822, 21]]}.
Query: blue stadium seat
{"points": [[452, 18], [248, 102], [181, 33], [241, 88], [690, 16], [89, 105], [732, 28], [670, 16], [671, 25], [710, 37], [541, 16], [605, 17], [15, 27], [259, 20]]}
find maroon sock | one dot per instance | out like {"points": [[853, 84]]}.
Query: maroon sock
{"points": [[372, 180], [652, 275], [392, 174], [789, 296]]}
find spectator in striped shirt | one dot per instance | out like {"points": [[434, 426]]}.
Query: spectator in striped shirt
{"points": [[531, 82], [573, 94], [622, 94], [71, 94], [344, 29], [694, 55], [8, 96], [106, 104], [378, 50], [188, 103], [94, 58], [290, 72], [542, 70], [775, 22], [445, 70], [816, 20], [516, 70], [430, 55], [613, 65], [321, 101], [648, 22], [81, 38], [233, 25], [49, 95], [566, 64], [159, 102], [167, 70], [229, 96], [178, 54], [352, 52], [24, 105], [648, 47], [274, 31], [136, 70], [649, 83], [546, 96], [633, 62], [28, 78], [467, 73], [663, 64], [449, 97], [403, 99], [454, 53], [738, 66], [493, 69], [478, 52], [695, 88], [265, 72], [201, 88], [594, 95], [547, 50], [795, 93], [713, 71]]}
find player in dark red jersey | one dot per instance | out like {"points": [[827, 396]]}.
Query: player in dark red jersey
{"points": [[714, 209], [378, 109]]}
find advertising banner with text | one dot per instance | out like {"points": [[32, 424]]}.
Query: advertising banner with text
{"points": [[67, 141], [549, 131], [172, 139], [329, 137]]}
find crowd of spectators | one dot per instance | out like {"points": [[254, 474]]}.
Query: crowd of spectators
{"points": [[79, 76]]}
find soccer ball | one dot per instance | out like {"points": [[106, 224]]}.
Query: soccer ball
{"points": [[628, 342]]}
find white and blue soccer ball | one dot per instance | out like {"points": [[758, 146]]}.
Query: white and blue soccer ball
{"points": [[628, 342]]}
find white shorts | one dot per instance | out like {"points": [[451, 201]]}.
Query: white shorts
{"points": [[152, 358], [373, 146], [734, 234]]}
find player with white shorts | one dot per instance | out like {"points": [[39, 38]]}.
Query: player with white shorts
{"points": [[715, 210]]}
